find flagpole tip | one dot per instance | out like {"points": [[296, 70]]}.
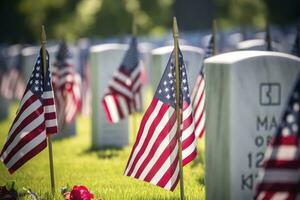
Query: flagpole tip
{"points": [[134, 28], [175, 28], [43, 35]]}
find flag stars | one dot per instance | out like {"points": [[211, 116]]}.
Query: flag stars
{"points": [[36, 82], [296, 107], [286, 132], [168, 96], [290, 118], [166, 89], [37, 75], [170, 75], [165, 82]]}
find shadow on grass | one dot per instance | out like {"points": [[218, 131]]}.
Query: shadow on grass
{"points": [[105, 153], [198, 161], [201, 180]]}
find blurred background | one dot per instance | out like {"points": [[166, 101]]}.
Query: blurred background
{"points": [[72, 19]]}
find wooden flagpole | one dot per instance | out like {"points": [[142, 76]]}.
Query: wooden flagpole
{"points": [[214, 35], [177, 106], [268, 36], [43, 43]]}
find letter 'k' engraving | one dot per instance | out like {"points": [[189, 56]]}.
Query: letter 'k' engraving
{"points": [[270, 94]]}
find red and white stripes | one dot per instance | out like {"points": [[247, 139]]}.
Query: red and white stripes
{"points": [[280, 177], [123, 96], [154, 157], [27, 136], [198, 97]]}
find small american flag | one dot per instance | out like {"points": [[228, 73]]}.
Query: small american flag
{"points": [[67, 86], [280, 176], [123, 96], [35, 119], [198, 96], [154, 156]]}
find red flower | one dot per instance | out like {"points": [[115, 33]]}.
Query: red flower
{"points": [[80, 192]]}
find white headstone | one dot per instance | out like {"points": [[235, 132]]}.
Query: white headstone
{"points": [[28, 59], [193, 57], [105, 59], [257, 44], [245, 94]]}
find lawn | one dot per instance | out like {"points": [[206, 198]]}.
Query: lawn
{"points": [[100, 170]]}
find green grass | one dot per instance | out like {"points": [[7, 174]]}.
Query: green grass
{"points": [[100, 170]]}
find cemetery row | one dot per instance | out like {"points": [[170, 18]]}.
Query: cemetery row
{"points": [[246, 92]]}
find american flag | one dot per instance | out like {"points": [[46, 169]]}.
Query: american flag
{"points": [[67, 86], [296, 46], [280, 176], [198, 96], [154, 156], [35, 119], [12, 84], [123, 96]]}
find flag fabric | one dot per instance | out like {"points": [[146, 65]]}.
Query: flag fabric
{"points": [[280, 176], [295, 49], [67, 86], [123, 96], [35, 119], [198, 96], [154, 156], [12, 84]]}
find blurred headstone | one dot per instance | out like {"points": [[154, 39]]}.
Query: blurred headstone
{"points": [[104, 60], [245, 94], [29, 56], [193, 57], [68, 130], [257, 44]]}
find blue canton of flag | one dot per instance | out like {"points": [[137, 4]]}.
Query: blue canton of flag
{"points": [[131, 58], [166, 88]]}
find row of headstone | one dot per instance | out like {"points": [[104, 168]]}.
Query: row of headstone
{"points": [[245, 94]]}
